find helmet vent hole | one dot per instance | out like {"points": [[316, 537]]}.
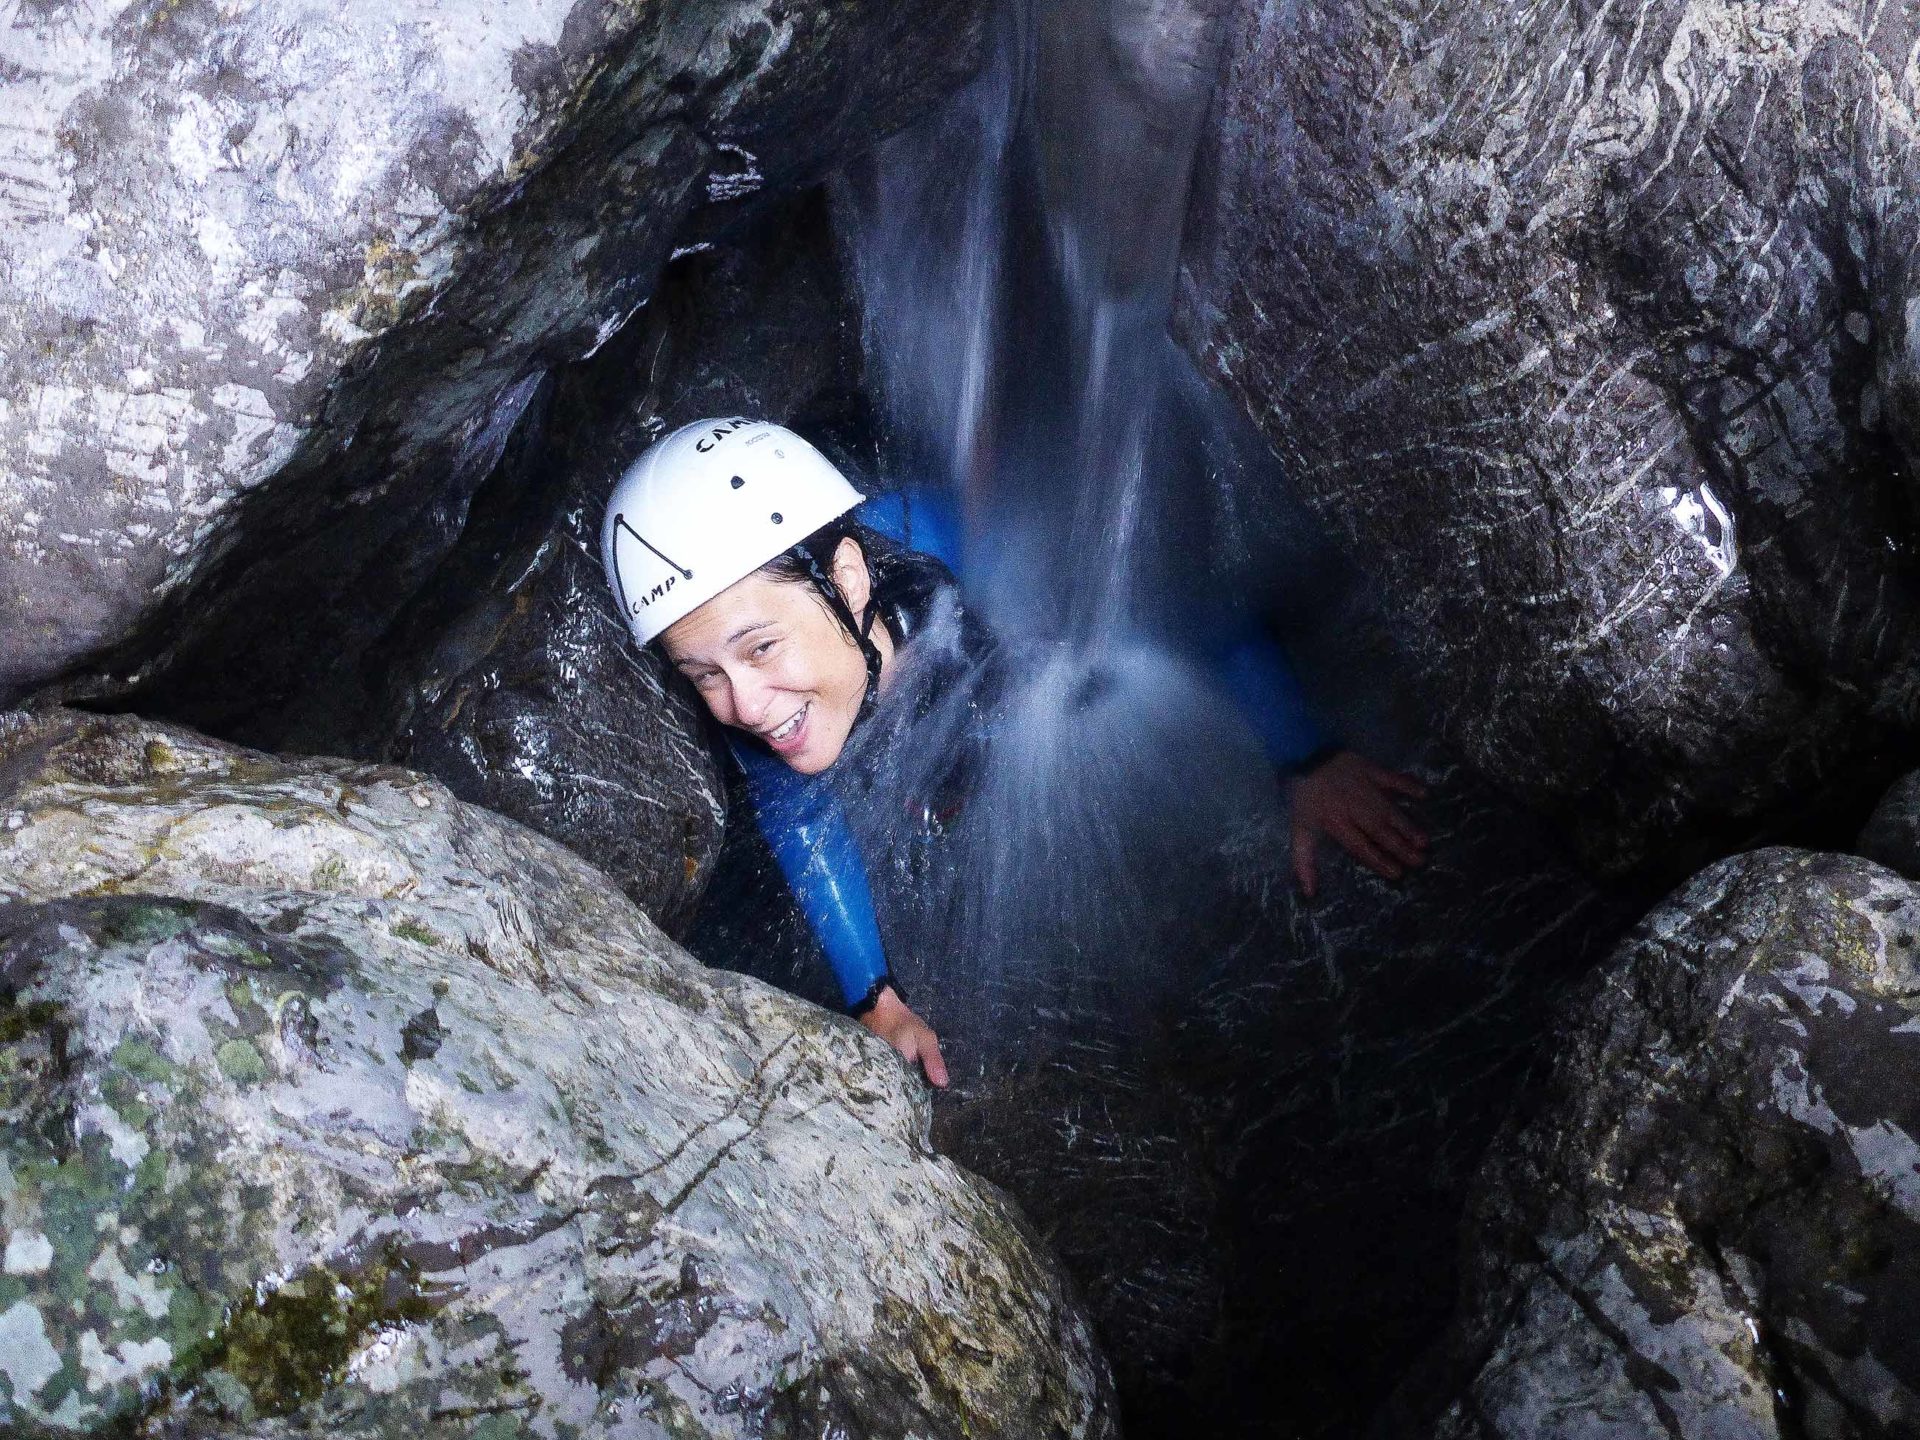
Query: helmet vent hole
{"points": [[776, 517], [738, 482]]}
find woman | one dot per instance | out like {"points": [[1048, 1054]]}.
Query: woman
{"points": [[732, 544]]}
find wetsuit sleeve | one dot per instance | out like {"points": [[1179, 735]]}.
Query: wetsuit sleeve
{"points": [[1256, 673], [808, 833]]}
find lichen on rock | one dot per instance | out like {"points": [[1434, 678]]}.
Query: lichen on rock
{"points": [[333, 1103]]}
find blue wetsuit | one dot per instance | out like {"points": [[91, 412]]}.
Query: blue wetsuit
{"points": [[804, 826]]}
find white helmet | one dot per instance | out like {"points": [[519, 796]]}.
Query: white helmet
{"points": [[706, 506]]}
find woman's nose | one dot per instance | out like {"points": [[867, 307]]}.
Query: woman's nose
{"points": [[752, 697]]}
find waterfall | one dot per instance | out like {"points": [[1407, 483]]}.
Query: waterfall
{"points": [[1016, 259]]}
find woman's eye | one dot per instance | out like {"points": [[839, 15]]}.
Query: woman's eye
{"points": [[759, 651]]}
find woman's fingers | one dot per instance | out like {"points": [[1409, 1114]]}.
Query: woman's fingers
{"points": [[1379, 827], [931, 1059], [1356, 843], [1306, 859], [917, 1042], [1404, 826], [1351, 801], [894, 1022], [1385, 822], [1397, 780]]}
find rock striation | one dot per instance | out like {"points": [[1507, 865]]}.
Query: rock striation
{"points": [[1712, 1226], [335, 1104], [1596, 332]]}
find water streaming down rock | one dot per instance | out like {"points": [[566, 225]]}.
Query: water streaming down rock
{"points": [[1102, 768], [930, 309], [1245, 1123]]}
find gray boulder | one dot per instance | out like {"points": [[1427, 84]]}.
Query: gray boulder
{"points": [[1712, 1228], [1596, 332], [280, 280], [335, 1104]]}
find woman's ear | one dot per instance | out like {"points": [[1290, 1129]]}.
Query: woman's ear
{"points": [[851, 577]]}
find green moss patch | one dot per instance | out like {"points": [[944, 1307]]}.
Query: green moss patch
{"points": [[420, 934], [143, 924], [241, 1063], [290, 1347], [22, 1022]]}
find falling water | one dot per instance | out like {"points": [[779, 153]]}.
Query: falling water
{"points": [[930, 222], [1016, 259]]}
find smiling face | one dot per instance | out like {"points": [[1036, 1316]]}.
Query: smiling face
{"points": [[768, 657]]}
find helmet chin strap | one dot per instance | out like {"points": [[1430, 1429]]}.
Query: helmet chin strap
{"points": [[859, 631]]}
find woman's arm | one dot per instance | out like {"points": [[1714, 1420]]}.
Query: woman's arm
{"points": [[1263, 687], [1336, 792], [808, 833]]}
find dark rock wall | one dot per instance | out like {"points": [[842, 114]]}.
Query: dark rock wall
{"points": [[1594, 330], [420, 580], [1257, 1184], [1891, 835], [347, 546]]}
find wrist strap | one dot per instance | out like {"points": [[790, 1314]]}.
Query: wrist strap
{"points": [[872, 997]]}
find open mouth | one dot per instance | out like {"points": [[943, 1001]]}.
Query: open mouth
{"points": [[790, 727]]}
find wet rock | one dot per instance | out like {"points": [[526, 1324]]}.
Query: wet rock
{"points": [[1712, 1227], [1892, 832], [1356, 1055], [510, 676], [281, 280], [1594, 332], [334, 1104]]}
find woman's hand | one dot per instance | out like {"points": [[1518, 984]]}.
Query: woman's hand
{"points": [[1350, 799], [894, 1023]]}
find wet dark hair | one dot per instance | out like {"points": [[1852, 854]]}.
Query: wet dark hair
{"points": [[885, 558], [902, 579]]}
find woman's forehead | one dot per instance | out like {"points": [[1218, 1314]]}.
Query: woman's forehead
{"points": [[746, 606]]}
